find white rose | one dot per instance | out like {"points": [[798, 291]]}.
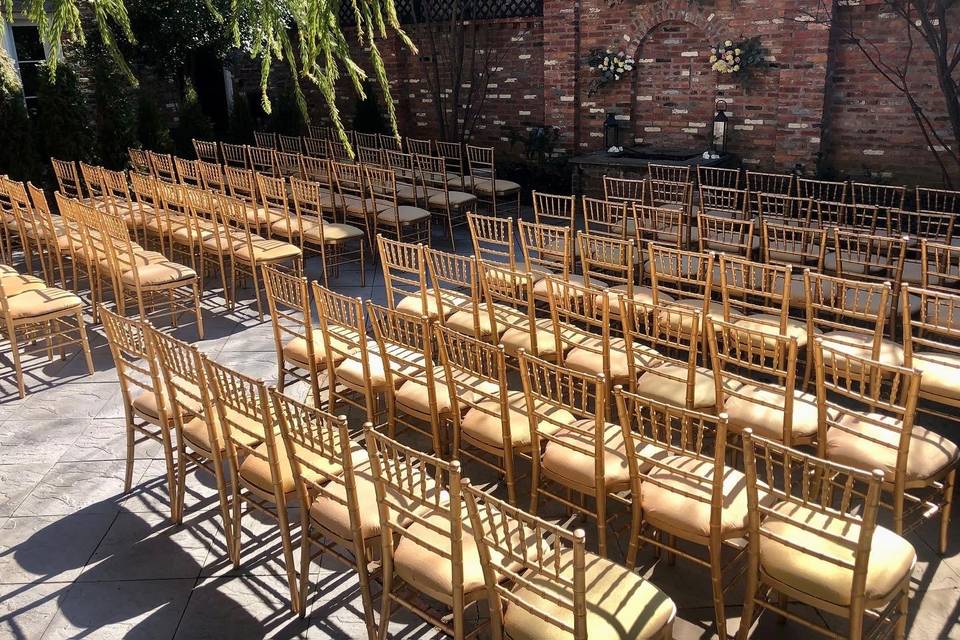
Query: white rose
{"points": [[728, 43]]}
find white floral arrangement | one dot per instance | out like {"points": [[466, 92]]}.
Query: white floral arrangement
{"points": [[609, 66], [734, 57]]}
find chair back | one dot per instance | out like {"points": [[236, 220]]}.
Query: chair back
{"points": [[669, 172], [661, 225], [726, 201], [793, 245], [452, 153], [291, 144], [878, 195], [137, 367], [404, 273], [162, 166], [265, 139], [211, 176], [207, 151], [940, 265], [627, 190], [554, 209], [316, 147], [782, 209], [718, 177], [547, 249], [779, 183], [724, 234], [822, 190], [262, 160], [757, 290], [455, 285], [493, 241], [608, 261], [242, 185], [419, 147], [235, 155], [68, 178], [606, 217], [188, 172], [390, 142]]}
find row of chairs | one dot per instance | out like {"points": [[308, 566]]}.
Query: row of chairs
{"points": [[567, 419]]}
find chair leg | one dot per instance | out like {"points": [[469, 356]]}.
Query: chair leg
{"points": [[289, 563], [199, 310], [716, 581], [131, 446], [948, 488], [171, 480], [365, 594], [17, 365], [386, 603], [235, 535], [601, 500], [85, 342], [903, 610]]}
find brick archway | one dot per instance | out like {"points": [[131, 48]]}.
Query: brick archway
{"points": [[649, 17]]}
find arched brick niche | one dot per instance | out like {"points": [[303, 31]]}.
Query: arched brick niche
{"points": [[673, 90]]}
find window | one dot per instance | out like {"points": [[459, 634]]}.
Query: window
{"points": [[28, 53]]}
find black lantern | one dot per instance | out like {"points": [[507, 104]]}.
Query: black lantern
{"points": [[611, 131], [720, 128]]}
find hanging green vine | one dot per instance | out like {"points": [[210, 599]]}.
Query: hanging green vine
{"points": [[320, 53]]}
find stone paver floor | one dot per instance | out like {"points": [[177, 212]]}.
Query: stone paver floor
{"points": [[81, 559]]}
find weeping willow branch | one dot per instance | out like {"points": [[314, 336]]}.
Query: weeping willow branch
{"points": [[319, 53]]}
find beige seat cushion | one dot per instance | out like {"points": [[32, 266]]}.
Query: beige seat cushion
{"points": [[502, 187], [256, 470], [587, 357], [350, 371], [483, 425], [860, 345], [357, 206], [295, 350], [414, 303], [666, 383], [620, 605], [287, 227], [146, 406], [891, 557], [195, 431], [680, 504], [268, 251], [409, 193], [463, 321], [414, 396], [330, 511], [36, 303], [333, 232], [404, 213], [749, 411], [456, 199], [714, 310], [870, 446], [573, 460], [540, 286], [160, 273], [258, 216], [941, 374], [770, 323], [15, 283], [516, 338], [640, 294]]}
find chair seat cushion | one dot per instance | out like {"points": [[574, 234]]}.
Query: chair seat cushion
{"points": [[414, 396], [483, 185], [351, 372], [15, 283], [334, 232], [146, 406], [573, 461], [259, 216], [483, 424], [666, 382], [267, 251], [761, 408], [872, 443], [640, 294], [366, 206], [519, 337], [195, 431], [941, 374], [414, 303], [860, 345], [455, 198], [160, 273], [588, 358], [404, 214], [540, 286], [37, 303], [677, 499], [295, 350], [409, 193], [256, 470], [770, 323], [463, 321], [891, 557], [620, 604]]}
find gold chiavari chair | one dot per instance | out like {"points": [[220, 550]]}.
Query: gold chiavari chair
{"points": [[452, 154], [301, 353], [503, 196], [682, 489], [371, 156], [199, 436], [937, 200], [211, 177], [718, 177], [774, 183], [329, 239], [339, 152], [849, 317], [146, 207], [455, 287], [756, 383], [337, 494], [794, 246], [662, 226], [188, 172], [352, 197], [930, 339], [234, 155], [410, 187], [610, 264], [669, 173], [489, 421], [940, 266], [418, 397], [756, 296], [878, 195], [242, 186], [206, 151], [724, 202], [855, 217], [287, 164], [68, 178], [38, 320], [162, 166], [551, 587], [173, 225], [265, 139], [453, 206], [55, 235], [669, 195], [82, 265], [626, 190], [248, 251], [262, 160], [403, 221], [212, 239], [316, 147], [868, 413], [146, 402], [419, 147], [93, 183], [260, 470], [663, 348], [140, 161], [822, 190], [369, 140], [918, 226], [390, 142], [727, 235], [319, 132], [273, 198], [554, 209], [547, 250], [119, 201], [870, 258], [685, 279], [355, 372], [608, 218], [27, 224], [511, 308], [575, 450], [493, 241], [424, 549], [813, 538], [782, 209], [290, 144], [8, 222], [318, 170], [405, 278]]}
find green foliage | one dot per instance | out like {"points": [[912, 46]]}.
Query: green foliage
{"points": [[192, 123], [153, 130], [169, 31], [17, 154], [241, 120], [115, 109], [62, 124], [287, 118]]}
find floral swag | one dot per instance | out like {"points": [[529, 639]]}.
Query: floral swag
{"points": [[610, 66], [735, 57]]}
